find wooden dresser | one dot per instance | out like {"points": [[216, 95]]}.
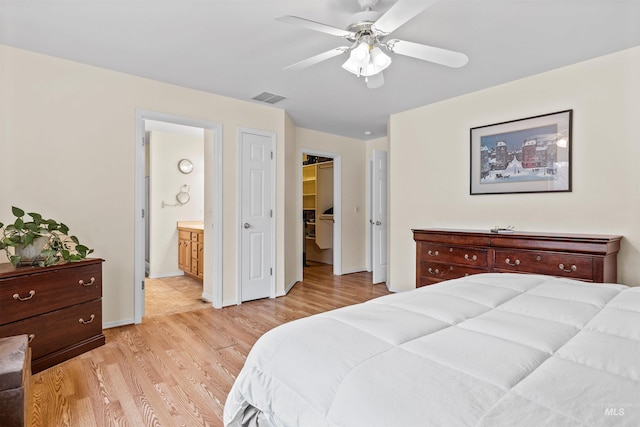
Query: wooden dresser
{"points": [[58, 307], [443, 254]]}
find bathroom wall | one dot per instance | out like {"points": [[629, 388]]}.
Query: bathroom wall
{"points": [[166, 181]]}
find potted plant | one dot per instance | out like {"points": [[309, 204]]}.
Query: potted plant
{"points": [[39, 241]]}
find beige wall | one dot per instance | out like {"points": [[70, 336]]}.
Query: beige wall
{"points": [[429, 162], [291, 215], [77, 125], [352, 152]]}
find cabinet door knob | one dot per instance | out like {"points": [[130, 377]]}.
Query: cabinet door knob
{"points": [[18, 297], [91, 282], [516, 262], [430, 252], [247, 225], [468, 258]]}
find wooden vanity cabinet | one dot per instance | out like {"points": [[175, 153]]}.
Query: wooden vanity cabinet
{"points": [[443, 254], [191, 251], [58, 307]]}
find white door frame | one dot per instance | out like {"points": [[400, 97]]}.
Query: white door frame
{"points": [[212, 283], [379, 268], [337, 210], [272, 135]]}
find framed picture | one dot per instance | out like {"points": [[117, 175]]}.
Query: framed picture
{"points": [[531, 155]]}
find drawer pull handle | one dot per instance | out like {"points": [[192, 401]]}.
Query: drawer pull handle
{"points": [[432, 253], [436, 271], [91, 282], [516, 262], [468, 258], [86, 322], [31, 337], [31, 294], [568, 270]]}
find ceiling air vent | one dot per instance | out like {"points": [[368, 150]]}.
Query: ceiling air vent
{"points": [[269, 98]]}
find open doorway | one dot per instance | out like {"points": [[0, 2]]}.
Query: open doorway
{"points": [[210, 208], [320, 212], [174, 200]]}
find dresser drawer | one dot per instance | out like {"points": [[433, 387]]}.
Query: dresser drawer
{"points": [[467, 256], [59, 329], [542, 262], [442, 271], [39, 293]]}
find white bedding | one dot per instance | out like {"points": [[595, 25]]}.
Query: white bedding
{"points": [[485, 350]]}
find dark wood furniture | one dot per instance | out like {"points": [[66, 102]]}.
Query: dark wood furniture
{"points": [[15, 375], [58, 307], [443, 254]]}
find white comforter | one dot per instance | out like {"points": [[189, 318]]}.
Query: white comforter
{"points": [[486, 350]]}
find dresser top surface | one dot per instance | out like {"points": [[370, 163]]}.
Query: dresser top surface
{"points": [[520, 235], [7, 270]]}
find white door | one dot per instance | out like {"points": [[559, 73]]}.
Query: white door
{"points": [[379, 217], [256, 216]]}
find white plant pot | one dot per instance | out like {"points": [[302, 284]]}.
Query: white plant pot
{"points": [[30, 254]]}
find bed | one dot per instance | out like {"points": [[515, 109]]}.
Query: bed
{"points": [[491, 349]]}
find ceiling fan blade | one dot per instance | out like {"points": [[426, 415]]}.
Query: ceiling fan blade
{"points": [[400, 13], [446, 57], [317, 58], [316, 26]]}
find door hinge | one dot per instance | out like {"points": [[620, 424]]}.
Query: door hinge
{"points": [[272, 155], [142, 213], [270, 213], [142, 285], [142, 141], [271, 271]]}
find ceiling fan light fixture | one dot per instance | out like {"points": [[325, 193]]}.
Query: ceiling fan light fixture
{"points": [[380, 59], [353, 66], [361, 53]]}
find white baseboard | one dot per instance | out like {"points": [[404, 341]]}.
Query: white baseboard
{"points": [[288, 288], [205, 296], [118, 323], [164, 275], [355, 270]]}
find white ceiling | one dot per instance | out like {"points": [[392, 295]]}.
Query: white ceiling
{"points": [[236, 48]]}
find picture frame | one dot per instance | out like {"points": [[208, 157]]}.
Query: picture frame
{"points": [[530, 155]]}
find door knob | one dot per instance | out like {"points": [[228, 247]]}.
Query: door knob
{"points": [[247, 225]]}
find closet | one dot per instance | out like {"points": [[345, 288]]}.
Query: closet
{"points": [[317, 211]]}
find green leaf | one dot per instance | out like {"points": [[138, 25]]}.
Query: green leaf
{"points": [[64, 229], [74, 239], [28, 239], [31, 226], [14, 259], [36, 216], [17, 211], [19, 224]]}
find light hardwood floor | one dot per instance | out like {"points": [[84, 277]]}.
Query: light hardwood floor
{"points": [[172, 295], [176, 369]]}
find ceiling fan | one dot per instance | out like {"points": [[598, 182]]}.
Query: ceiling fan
{"points": [[367, 35]]}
